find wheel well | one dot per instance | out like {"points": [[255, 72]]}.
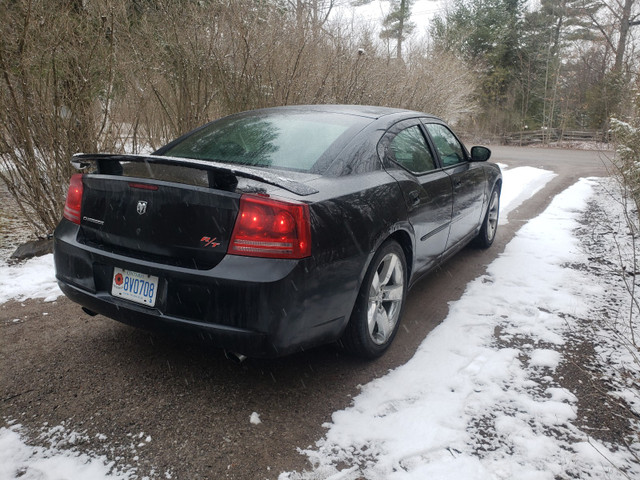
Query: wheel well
{"points": [[404, 240]]}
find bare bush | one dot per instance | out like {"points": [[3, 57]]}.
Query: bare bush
{"points": [[627, 172], [52, 61], [206, 62], [112, 76], [627, 160]]}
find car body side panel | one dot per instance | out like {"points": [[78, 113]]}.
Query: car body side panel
{"points": [[430, 203], [355, 223], [469, 191]]}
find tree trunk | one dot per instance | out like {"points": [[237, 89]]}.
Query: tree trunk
{"points": [[624, 34], [401, 29]]}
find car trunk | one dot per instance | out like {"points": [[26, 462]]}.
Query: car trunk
{"points": [[148, 219]]}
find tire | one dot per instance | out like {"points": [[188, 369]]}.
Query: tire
{"points": [[487, 232], [379, 305]]}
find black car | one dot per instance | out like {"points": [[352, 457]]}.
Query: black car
{"points": [[275, 230]]}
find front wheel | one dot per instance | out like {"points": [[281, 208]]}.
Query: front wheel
{"points": [[376, 315], [487, 232]]}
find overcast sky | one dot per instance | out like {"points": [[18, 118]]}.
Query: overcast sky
{"points": [[421, 12]]}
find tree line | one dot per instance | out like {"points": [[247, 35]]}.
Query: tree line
{"points": [[568, 64]]}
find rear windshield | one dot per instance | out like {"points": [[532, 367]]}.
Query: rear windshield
{"points": [[292, 141]]}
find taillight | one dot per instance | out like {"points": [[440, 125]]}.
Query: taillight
{"points": [[270, 228], [73, 205]]}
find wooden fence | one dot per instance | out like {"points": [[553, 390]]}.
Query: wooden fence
{"points": [[545, 137]]}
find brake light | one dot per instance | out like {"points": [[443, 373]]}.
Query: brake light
{"points": [[73, 205], [144, 186], [271, 228]]}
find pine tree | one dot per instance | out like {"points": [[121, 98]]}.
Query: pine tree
{"points": [[485, 33], [397, 24]]}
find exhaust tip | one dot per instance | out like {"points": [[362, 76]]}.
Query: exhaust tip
{"points": [[235, 357], [89, 312]]}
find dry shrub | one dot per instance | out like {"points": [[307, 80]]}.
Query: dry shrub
{"points": [[627, 159], [626, 162], [210, 61], [121, 75], [52, 62]]}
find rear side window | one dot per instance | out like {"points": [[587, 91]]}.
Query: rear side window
{"points": [[409, 149], [449, 148], [294, 141]]}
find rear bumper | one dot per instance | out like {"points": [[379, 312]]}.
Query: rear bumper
{"points": [[257, 344], [253, 306]]}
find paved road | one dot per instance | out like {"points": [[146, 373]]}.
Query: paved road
{"points": [[99, 377]]}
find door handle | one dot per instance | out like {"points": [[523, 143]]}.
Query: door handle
{"points": [[414, 198]]}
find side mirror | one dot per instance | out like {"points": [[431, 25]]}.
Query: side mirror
{"points": [[480, 154]]}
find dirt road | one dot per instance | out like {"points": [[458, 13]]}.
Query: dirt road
{"points": [[119, 386]]}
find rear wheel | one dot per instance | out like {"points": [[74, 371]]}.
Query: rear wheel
{"points": [[376, 315], [487, 232]]}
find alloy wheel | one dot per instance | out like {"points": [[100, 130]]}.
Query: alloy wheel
{"points": [[385, 298], [492, 216]]}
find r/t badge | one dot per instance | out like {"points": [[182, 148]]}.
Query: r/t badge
{"points": [[209, 242]]}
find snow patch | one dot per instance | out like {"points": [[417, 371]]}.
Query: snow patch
{"points": [[34, 278], [519, 184], [255, 419], [27, 462]]}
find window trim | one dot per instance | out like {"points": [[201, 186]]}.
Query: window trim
{"points": [[467, 156], [388, 136]]}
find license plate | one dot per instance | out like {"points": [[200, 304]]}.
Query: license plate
{"points": [[137, 287]]}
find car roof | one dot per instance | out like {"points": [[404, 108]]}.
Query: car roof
{"points": [[368, 111]]}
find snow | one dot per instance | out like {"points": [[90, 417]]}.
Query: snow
{"points": [[520, 184], [255, 419], [477, 401], [34, 278], [19, 460]]}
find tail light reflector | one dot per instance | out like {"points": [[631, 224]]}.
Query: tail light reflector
{"points": [[271, 228], [73, 205]]}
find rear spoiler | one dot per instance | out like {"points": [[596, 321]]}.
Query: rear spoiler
{"points": [[221, 175]]}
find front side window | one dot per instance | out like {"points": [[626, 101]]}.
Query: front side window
{"points": [[449, 148], [409, 149]]}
